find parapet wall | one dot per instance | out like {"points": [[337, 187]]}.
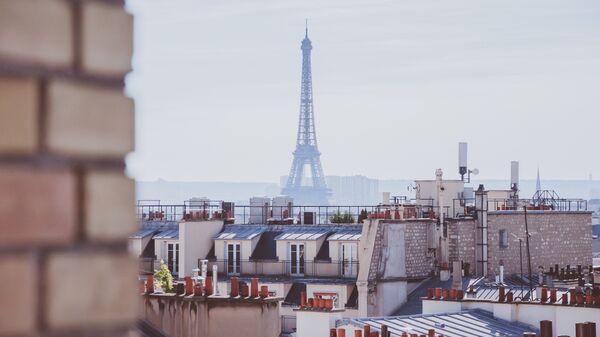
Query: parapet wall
{"points": [[199, 316]]}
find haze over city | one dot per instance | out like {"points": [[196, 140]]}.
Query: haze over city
{"points": [[219, 82]]}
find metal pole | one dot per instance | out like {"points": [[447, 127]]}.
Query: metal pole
{"points": [[521, 259], [528, 254]]}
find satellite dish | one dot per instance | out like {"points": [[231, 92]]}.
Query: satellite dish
{"points": [[475, 172]]}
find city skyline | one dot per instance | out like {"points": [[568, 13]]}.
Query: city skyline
{"points": [[427, 75]]}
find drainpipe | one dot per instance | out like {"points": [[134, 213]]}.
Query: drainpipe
{"points": [[481, 201], [440, 199]]}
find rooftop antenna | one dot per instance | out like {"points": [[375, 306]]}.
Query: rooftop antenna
{"points": [[462, 163]]}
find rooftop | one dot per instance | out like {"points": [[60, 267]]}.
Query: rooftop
{"points": [[471, 323]]}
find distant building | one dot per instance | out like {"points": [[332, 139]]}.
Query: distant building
{"points": [[354, 190]]}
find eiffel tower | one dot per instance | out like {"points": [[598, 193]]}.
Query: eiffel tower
{"points": [[306, 155]]}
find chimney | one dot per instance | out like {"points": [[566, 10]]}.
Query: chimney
{"points": [[208, 290], [254, 287], [546, 328], [189, 286], [235, 291], [553, 295], [150, 284], [591, 327], [198, 289], [264, 291], [384, 330], [367, 330]]}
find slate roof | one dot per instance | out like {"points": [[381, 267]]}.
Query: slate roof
{"points": [[266, 248], [471, 323]]}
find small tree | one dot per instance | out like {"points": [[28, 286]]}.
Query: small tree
{"points": [[164, 277], [338, 217], [362, 216]]}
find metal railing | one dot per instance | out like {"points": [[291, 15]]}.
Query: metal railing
{"points": [[315, 268], [324, 215], [466, 207], [310, 215]]}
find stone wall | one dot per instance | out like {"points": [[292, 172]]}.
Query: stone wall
{"points": [[418, 264], [180, 316], [461, 245], [66, 205], [400, 250], [556, 238]]}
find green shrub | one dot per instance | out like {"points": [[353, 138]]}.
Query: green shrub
{"points": [[164, 278], [338, 217]]}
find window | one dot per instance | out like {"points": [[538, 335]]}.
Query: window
{"points": [[297, 259], [503, 238], [348, 256], [173, 257], [233, 258]]}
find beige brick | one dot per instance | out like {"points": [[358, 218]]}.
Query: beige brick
{"points": [[89, 121], [107, 39], [18, 295], [36, 206], [109, 206], [36, 31], [18, 115], [90, 289]]}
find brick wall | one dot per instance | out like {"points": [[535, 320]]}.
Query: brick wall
{"points": [[556, 238], [461, 241], [66, 205]]}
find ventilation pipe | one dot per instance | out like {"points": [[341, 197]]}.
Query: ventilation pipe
{"points": [[215, 271]]}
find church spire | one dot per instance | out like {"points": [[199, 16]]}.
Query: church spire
{"points": [[538, 183]]}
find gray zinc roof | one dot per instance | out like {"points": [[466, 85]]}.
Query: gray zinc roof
{"points": [[345, 235], [240, 232], [168, 234], [472, 323], [142, 233], [304, 234]]}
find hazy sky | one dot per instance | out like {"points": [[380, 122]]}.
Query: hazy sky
{"points": [[397, 85]]}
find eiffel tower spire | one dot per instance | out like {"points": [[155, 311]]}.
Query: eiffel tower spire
{"points": [[306, 155]]}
